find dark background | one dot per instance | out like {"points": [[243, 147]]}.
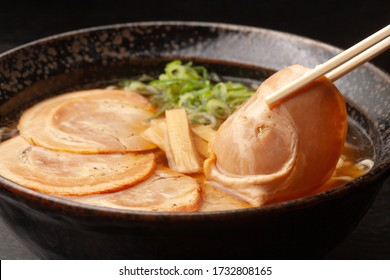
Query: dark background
{"points": [[339, 23]]}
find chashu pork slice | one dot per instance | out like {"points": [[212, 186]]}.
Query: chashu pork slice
{"points": [[263, 155], [164, 191], [62, 173], [217, 200], [91, 121]]}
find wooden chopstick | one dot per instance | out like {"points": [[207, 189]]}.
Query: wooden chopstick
{"points": [[358, 60], [339, 65]]}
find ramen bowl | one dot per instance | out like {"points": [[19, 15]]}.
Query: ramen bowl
{"points": [[305, 228]]}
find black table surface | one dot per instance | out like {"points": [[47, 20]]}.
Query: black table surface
{"points": [[336, 22]]}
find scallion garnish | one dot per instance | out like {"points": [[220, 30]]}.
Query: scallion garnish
{"points": [[193, 88]]}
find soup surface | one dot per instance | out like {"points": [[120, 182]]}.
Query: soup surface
{"points": [[169, 190]]}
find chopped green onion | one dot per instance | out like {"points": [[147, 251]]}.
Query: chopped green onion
{"points": [[218, 108], [205, 97]]}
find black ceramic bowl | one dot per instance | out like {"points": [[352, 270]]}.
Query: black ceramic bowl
{"points": [[303, 228]]}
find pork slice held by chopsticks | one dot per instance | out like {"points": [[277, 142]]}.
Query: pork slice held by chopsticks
{"points": [[262, 155]]}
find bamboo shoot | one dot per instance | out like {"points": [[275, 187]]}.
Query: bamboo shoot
{"points": [[180, 149]]}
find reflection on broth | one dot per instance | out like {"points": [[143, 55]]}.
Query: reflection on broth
{"points": [[129, 156]]}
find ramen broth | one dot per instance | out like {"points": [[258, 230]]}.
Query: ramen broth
{"points": [[356, 160]]}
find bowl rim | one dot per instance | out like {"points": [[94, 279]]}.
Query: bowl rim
{"points": [[71, 206], [227, 26]]}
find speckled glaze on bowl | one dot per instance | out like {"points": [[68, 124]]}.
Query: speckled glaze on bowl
{"points": [[303, 228]]}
